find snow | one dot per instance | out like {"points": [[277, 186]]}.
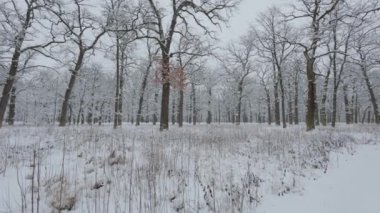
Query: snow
{"points": [[203, 168], [352, 186]]}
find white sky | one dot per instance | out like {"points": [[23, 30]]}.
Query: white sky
{"points": [[247, 12]]}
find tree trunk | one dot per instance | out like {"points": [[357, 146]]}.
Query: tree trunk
{"points": [[269, 109], [90, 115], [100, 118], [209, 114], [282, 89], [117, 95], [80, 111], [173, 110], [352, 105], [276, 106], [250, 113], [372, 95], [290, 105], [316, 114], [369, 116], [311, 99], [180, 108], [324, 98], [70, 114], [364, 114], [346, 105], [82, 118], [356, 107], [155, 119], [194, 104], [9, 83], [142, 93], [189, 114], [296, 111], [164, 120], [19, 40], [12, 107], [334, 113], [74, 73], [121, 87], [139, 109], [238, 108]]}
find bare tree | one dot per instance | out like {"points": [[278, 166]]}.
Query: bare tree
{"points": [[296, 78], [188, 53], [238, 65], [18, 22], [147, 67], [211, 80], [24, 66], [315, 12], [124, 19], [325, 88], [339, 45], [183, 13], [366, 58], [77, 28], [263, 75], [273, 35]]}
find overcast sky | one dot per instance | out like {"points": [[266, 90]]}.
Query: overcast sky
{"points": [[247, 12]]}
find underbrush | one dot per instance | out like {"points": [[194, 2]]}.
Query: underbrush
{"points": [[215, 168]]}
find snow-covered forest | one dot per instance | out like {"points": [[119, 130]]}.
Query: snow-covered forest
{"points": [[149, 106]]}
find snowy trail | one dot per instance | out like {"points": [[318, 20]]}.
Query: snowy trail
{"points": [[351, 187]]}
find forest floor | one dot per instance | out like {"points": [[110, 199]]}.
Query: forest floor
{"points": [[203, 168]]}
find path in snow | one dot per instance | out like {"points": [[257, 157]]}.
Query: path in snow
{"points": [[351, 187]]}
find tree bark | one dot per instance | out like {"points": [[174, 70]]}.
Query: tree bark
{"points": [[9, 83], [173, 110], [369, 116], [180, 108], [142, 92], [296, 111], [371, 94], [194, 103], [356, 107], [316, 114], [121, 87], [312, 97], [164, 120], [324, 96], [81, 102], [155, 119], [269, 109], [282, 89], [190, 110], [290, 105], [268, 102], [74, 73], [347, 105], [238, 108], [12, 107], [209, 114], [70, 114], [117, 95], [364, 114], [276, 105], [19, 40]]}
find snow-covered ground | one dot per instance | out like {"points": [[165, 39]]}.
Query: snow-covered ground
{"points": [[351, 186], [206, 168]]}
